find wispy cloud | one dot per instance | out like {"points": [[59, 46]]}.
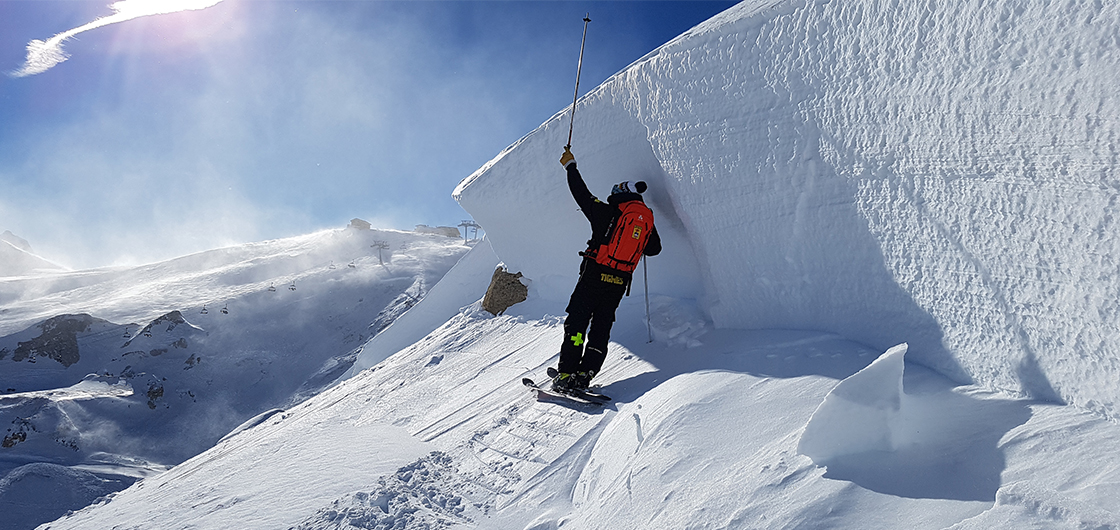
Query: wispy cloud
{"points": [[44, 55]]}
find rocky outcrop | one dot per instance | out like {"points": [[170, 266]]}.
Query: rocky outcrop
{"points": [[58, 341], [505, 290]]}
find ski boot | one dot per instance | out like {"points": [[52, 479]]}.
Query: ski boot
{"points": [[565, 383], [583, 380]]}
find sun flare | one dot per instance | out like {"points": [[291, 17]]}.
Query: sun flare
{"points": [[139, 8]]}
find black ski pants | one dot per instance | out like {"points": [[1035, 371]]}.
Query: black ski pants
{"points": [[587, 330]]}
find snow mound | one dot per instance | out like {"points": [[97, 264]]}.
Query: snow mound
{"points": [[251, 422], [863, 413], [870, 431], [35, 492], [937, 173]]}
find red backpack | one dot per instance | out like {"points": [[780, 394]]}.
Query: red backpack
{"points": [[627, 238]]}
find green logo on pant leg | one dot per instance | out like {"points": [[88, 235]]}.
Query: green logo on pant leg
{"points": [[610, 278], [577, 339]]}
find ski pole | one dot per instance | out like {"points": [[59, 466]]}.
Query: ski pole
{"points": [[579, 68], [645, 278]]}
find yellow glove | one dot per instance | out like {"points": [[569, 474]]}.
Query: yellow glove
{"points": [[567, 158]]}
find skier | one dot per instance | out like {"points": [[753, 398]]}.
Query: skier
{"points": [[621, 232]]}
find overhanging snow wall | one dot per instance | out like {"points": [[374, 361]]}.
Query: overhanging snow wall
{"points": [[939, 173]]}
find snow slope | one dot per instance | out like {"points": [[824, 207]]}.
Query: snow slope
{"points": [[116, 374], [701, 437], [938, 173], [910, 197]]}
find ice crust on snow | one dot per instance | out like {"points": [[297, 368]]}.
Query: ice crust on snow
{"points": [[939, 173]]}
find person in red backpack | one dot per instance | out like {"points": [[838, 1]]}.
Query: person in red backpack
{"points": [[622, 231]]}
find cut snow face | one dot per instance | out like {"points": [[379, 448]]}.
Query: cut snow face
{"points": [[940, 174], [861, 414]]}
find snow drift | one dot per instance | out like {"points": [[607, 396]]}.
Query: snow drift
{"points": [[861, 414], [936, 173], [883, 429]]}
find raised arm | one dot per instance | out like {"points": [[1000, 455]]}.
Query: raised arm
{"points": [[578, 187]]}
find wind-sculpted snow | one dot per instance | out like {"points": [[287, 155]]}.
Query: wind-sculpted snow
{"points": [[871, 431], [697, 437], [862, 414], [937, 173]]}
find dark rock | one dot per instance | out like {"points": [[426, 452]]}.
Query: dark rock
{"points": [[505, 290], [58, 341]]}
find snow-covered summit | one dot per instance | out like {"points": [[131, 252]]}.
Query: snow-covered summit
{"points": [[937, 173], [17, 258], [15, 241]]}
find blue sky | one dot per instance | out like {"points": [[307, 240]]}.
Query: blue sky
{"points": [[258, 119]]}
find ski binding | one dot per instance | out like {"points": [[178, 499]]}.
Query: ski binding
{"points": [[544, 394]]}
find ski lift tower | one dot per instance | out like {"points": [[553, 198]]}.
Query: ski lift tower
{"points": [[469, 227], [379, 245]]}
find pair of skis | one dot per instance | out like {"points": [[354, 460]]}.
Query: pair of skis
{"points": [[576, 396]]}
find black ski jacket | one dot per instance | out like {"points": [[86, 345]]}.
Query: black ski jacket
{"points": [[602, 215]]}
